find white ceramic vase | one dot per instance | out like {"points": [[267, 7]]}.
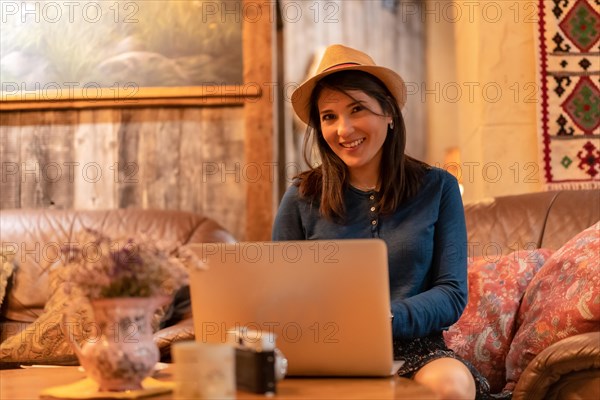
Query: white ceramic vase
{"points": [[121, 351]]}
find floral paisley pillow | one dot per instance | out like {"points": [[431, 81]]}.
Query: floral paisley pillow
{"points": [[486, 328], [562, 300]]}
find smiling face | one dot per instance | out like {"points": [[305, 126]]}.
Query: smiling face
{"points": [[355, 128]]}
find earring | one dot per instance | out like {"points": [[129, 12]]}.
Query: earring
{"points": [[391, 125]]}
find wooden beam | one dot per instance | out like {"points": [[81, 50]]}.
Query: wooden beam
{"points": [[201, 96], [260, 129]]}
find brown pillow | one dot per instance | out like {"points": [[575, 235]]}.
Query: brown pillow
{"points": [[43, 341], [7, 267]]}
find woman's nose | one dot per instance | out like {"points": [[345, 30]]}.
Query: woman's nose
{"points": [[345, 127]]}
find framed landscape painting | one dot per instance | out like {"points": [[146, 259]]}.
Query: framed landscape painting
{"points": [[127, 53]]}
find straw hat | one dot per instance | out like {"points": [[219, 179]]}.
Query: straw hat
{"points": [[341, 58]]}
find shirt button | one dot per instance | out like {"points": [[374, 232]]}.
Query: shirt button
{"points": [[372, 197], [372, 208], [374, 222]]}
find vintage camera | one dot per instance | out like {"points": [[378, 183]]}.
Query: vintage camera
{"points": [[258, 363]]}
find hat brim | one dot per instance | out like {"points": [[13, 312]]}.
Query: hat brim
{"points": [[394, 83]]}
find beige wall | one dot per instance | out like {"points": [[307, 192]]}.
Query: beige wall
{"points": [[481, 71], [442, 118]]}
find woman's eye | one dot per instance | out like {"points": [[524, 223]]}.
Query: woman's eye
{"points": [[357, 108], [327, 117]]}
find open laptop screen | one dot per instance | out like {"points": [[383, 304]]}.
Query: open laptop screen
{"points": [[327, 301]]}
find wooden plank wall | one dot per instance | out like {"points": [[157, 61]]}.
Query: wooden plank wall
{"points": [[171, 158]]}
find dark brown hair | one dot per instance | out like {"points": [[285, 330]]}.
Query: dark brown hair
{"points": [[399, 174]]}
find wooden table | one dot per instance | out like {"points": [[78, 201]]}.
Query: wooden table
{"points": [[27, 383]]}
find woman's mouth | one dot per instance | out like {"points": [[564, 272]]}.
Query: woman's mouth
{"points": [[351, 145]]}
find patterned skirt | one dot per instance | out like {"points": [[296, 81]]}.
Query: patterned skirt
{"points": [[420, 351]]}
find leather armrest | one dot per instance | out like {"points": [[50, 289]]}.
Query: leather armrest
{"points": [[573, 354], [577, 386], [165, 338]]}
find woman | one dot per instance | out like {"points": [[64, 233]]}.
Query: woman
{"points": [[366, 187]]}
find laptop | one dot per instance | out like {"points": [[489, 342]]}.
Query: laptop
{"points": [[327, 302]]}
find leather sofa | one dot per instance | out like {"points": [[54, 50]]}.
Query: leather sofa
{"points": [[34, 236], [533, 220], [567, 369], [570, 368]]}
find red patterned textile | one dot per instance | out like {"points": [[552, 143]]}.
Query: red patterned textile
{"points": [[568, 77], [484, 332], [562, 300]]}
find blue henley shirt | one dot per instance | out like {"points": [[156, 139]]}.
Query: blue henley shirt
{"points": [[426, 240]]}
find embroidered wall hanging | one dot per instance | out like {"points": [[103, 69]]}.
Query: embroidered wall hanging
{"points": [[568, 50]]}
